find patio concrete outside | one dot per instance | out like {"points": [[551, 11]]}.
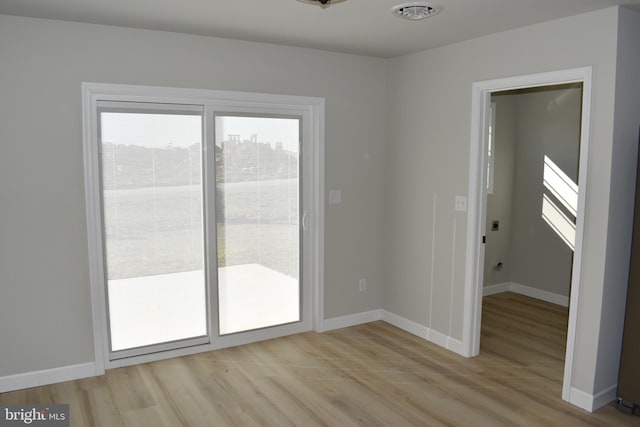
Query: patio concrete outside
{"points": [[155, 309]]}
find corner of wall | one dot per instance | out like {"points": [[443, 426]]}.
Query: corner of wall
{"points": [[592, 402], [622, 197]]}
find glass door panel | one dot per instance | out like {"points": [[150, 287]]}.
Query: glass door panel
{"points": [[257, 214], [153, 226]]}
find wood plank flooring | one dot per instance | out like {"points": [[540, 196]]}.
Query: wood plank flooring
{"points": [[367, 375]]}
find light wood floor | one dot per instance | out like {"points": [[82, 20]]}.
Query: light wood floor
{"points": [[368, 375]]}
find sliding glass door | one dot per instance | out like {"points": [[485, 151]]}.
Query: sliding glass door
{"points": [[152, 187], [257, 177], [201, 225]]}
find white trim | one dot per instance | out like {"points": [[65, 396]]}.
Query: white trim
{"points": [[491, 159], [452, 284], [94, 228], [476, 227], [47, 376], [574, 297], [529, 291], [424, 332], [474, 265], [317, 204], [437, 338], [86, 370], [456, 346], [220, 343], [433, 256], [399, 322], [592, 402], [312, 276], [604, 397], [446, 341], [580, 399], [498, 288], [351, 320], [161, 94], [405, 324], [540, 294]]}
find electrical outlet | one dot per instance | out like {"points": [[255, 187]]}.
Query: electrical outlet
{"points": [[460, 204], [362, 285]]}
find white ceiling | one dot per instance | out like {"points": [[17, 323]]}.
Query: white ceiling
{"points": [[364, 27]]}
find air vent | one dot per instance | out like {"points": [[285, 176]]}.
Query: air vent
{"points": [[322, 3], [415, 11]]}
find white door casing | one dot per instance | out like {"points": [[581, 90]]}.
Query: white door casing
{"points": [[476, 220], [310, 109]]}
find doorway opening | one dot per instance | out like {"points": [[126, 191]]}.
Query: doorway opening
{"points": [[531, 210], [560, 208]]}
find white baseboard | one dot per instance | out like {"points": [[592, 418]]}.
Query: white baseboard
{"points": [[351, 320], [457, 347], [404, 324], [86, 370], [592, 402], [604, 397], [527, 291], [437, 338], [424, 332], [581, 399], [47, 376], [446, 341], [399, 322], [498, 288]]}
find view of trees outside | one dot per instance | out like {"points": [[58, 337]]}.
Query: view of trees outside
{"points": [[257, 192], [153, 197], [153, 209]]}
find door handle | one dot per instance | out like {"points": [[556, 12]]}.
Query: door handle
{"points": [[304, 220]]}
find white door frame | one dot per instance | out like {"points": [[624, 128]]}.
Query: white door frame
{"points": [[309, 108], [476, 219]]}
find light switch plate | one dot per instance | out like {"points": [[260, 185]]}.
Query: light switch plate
{"points": [[460, 204], [335, 197]]}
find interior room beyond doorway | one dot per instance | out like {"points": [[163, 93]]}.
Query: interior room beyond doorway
{"points": [[532, 199]]}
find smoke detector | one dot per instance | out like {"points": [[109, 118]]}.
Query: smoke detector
{"points": [[415, 11]]}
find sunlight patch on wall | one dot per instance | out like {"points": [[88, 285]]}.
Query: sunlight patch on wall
{"points": [[559, 222], [561, 186], [565, 197]]}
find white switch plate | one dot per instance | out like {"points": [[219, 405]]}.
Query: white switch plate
{"points": [[335, 197], [461, 204]]}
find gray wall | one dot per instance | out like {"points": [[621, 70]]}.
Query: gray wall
{"points": [[45, 312], [500, 202], [541, 122], [621, 201], [548, 125], [430, 116], [397, 223]]}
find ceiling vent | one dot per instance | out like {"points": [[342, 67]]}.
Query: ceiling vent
{"points": [[322, 3], [415, 11]]}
